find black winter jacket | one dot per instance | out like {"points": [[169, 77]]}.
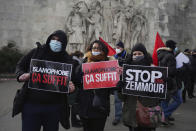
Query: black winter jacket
{"points": [[166, 58], [43, 97], [101, 107]]}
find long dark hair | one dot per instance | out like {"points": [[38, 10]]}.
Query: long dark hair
{"points": [[101, 45]]}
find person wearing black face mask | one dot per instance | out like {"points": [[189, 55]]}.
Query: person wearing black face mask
{"points": [[138, 56], [44, 108]]}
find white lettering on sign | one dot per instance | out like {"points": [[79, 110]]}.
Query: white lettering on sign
{"points": [[145, 75], [146, 87], [50, 71], [101, 77]]}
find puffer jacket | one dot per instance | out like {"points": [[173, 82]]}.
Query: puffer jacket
{"points": [[166, 58]]}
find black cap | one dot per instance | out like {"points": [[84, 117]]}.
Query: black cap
{"points": [[171, 44], [120, 44]]}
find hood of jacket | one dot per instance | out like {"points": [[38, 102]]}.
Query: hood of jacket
{"points": [[147, 60], [62, 38], [161, 52]]}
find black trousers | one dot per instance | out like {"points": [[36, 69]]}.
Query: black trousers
{"points": [[36, 115], [94, 124], [74, 113], [141, 129]]}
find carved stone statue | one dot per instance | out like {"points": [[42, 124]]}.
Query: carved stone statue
{"points": [[95, 22], [120, 25], [107, 20], [129, 14], [162, 19], [139, 28], [112, 20], [77, 28]]}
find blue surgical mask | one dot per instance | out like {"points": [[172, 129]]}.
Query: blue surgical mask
{"points": [[95, 53], [176, 49], [55, 46]]}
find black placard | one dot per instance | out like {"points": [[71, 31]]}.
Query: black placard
{"points": [[145, 81], [50, 76]]}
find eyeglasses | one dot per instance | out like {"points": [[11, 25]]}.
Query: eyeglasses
{"points": [[94, 48]]}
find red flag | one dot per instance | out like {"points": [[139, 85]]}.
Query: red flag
{"points": [[158, 43], [111, 51]]}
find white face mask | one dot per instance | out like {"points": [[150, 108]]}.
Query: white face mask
{"points": [[55, 45], [95, 53], [118, 51]]}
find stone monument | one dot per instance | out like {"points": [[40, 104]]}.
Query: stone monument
{"points": [[129, 21]]}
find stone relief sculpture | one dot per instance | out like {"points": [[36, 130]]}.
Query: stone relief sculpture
{"points": [[120, 25], [111, 19], [76, 26], [107, 20], [139, 28], [95, 21], [129, 14], [162, 19]]}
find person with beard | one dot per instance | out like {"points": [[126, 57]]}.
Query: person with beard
{"points": [[138, 56], [166, 58], [43, 108], [120, 56], [95, 103]]}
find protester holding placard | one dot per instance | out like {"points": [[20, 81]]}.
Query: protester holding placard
{"points": [[43, 107], [138, 56], [94, 103]]}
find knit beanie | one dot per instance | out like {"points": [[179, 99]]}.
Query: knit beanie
{"points": [[120, 44]]}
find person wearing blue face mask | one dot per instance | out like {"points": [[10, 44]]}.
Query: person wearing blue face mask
{"points": [[55, 45], [166, 58], [44, 108]]}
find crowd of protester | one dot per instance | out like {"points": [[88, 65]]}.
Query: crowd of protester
{"points": [[90, 108]]}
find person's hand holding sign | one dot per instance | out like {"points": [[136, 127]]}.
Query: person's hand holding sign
{"points": [[71, 87], [24, 77], [119, 70]]}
